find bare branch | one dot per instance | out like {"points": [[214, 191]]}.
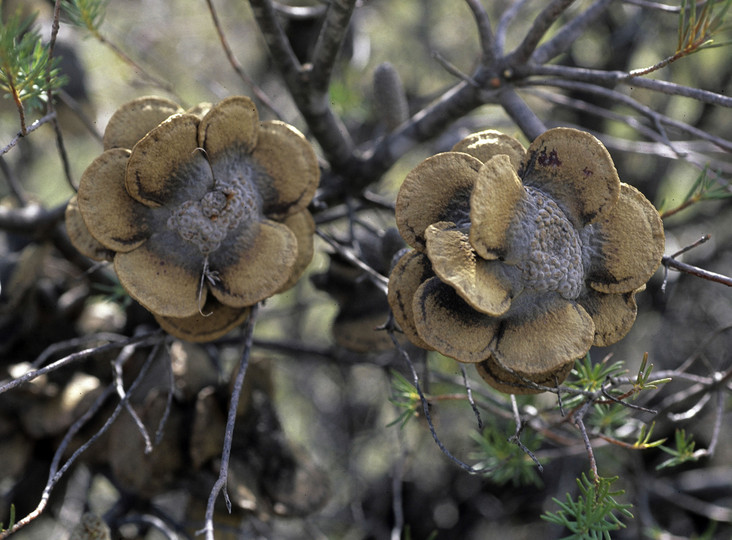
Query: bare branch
{"points": [[659, 119], [487, 43], [32, 219], [315, 107], [124, 396], [274, 36], [569, 33], [659, 6], [329, 42], [516, 437], [503, 22], [614, 78], [521, 113], [543, 21], [578, 419], [376, 278], [672, 494]]}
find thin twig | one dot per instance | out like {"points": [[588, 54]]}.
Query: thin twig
{"points": [[692, 412], [705, 238], [672, 494], [145, 339], [169, 398], [152, 521], [691, 151], [695, 392], [453, 70], [718, 416], [73, 429], [56, 472], [670, 262], [578, 419], [425, 404], [155, 81], [124, 396], [56, 126], [469, 391], [74, 343], [221, 482], [77, 109], [621, 400], [377, 279], [48, 117], [516, 437], [238, 68], [397, 484], [659, 6]]}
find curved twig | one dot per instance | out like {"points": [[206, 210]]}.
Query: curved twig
{"points": [[56, 472], [220, 484]]}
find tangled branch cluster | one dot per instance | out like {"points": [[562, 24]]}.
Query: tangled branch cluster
{"points": [[516, 248]]}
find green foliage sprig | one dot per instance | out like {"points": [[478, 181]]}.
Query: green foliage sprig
{"points": [[594, 513], [504, 461], [11, 522], [706, 187], [404, 396], [643, 380], [588, 376], [697, 31], [87, 14], [684, 451], [27, 71], [591, 376]]}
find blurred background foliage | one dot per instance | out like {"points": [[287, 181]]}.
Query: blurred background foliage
{"points": [[338, 408]]}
